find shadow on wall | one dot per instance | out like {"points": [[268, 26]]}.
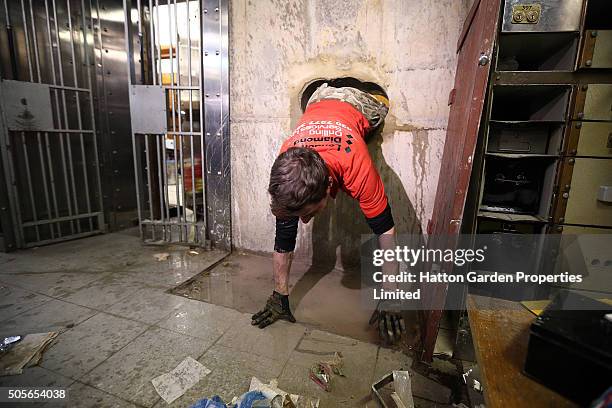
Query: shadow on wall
{"points": [[337, 231]]}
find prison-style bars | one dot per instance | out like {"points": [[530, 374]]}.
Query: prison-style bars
{"points": [[66, 208], [156, 201]]}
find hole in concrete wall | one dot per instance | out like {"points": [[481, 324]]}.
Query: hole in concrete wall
{"points": [[369, 87]]}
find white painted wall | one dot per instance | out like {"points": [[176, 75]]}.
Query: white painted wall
{"points": [[407, 46]]}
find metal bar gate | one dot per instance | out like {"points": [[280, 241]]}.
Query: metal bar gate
{"points": [[182, 167], [48, 143]]}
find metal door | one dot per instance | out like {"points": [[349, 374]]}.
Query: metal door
{"points": [[182, 167], [475, 49], [48, 132]]}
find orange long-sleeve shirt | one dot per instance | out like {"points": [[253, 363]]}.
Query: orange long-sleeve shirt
{"points": [[336, 130]]}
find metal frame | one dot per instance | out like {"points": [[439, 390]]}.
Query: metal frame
{"points": [[216, 122], [201, 217], [59, 195]]}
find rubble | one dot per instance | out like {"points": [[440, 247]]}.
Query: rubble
{"points": [[322, 372]]}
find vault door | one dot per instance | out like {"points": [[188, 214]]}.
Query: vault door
{"points": [[182, 166], [475, 49], [47, 132]]}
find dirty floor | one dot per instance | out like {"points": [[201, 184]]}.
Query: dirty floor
{"points": [[321, 299], [107, 296]]}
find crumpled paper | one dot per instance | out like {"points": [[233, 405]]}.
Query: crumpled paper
{"points": [[27, 352], [280, 398]]}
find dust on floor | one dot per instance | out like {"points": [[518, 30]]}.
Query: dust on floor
{"points": [[119, 329]]}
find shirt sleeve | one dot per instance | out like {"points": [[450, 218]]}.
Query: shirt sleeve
{"points": [[363, 183], [381, 223], [286, 234]]}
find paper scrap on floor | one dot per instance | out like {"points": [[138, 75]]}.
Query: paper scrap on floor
{"points": [[161, 256], [25, 353], [271, 391], [172, 385]]}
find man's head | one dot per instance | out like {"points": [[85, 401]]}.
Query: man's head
{"points": [[299, 184]]}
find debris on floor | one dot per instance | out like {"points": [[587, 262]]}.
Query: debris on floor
{"points": [[172, 385], [8, 342], [251, 399], [193, 252], [214, 402], [162, 256], [322, 372], [25, 353], [278, 396], [261, 395], [394, 390]]}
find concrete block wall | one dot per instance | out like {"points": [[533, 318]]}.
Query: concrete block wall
{"points": [[278, 46]]}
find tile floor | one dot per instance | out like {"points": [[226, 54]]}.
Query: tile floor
{"points": [[119, 328]]}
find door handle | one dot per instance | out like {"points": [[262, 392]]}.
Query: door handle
{"points": [[605, 194]]}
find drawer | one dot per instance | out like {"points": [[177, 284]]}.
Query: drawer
{"points": [[597, 49], [583, 205], [541, 16], [586, 251], [578, 230], [594, 102], [590, 139]]}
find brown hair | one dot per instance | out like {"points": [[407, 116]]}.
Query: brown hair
{"points": [[299, 177]]}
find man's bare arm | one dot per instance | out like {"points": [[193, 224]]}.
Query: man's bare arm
{"points": [[281, 267]]}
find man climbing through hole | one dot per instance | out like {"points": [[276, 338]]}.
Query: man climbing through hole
{"points": [[327, 152]]}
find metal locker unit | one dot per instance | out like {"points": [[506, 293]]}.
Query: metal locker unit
{"points": [[546, 115], [179, 105], [48, 138], [588, 201]]}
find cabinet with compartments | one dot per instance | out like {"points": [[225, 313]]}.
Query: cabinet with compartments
{"points": [[531, 128], [543, 159]]}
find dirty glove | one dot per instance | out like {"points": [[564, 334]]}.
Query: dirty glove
{"points": [[390, 323], [276, 308]]}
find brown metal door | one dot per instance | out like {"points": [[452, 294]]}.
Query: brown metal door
{"points": [[475, 50]]}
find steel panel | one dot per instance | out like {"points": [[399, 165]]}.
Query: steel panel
{"points": [[595, 139], [597, 49], [148, 109], [583, 206], [216, 120], [554, 15], [596, 103], [27, 105], [112, 92]]}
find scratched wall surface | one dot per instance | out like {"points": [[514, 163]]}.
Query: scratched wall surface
{"points": [[276, 47]]}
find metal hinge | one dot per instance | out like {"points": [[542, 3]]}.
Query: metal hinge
{"points": [[451, 96]]}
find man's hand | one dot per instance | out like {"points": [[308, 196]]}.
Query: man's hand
{"points": [[277, 308], [390, 323]]}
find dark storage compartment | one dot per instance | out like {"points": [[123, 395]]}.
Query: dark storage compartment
{"points": [[491, 226], [519, 184], [598, 15], [511, 246], [570, 347], [530, 103], [525, 137], [537, 51]]}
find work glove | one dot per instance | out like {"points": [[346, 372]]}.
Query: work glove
{"points": [[277, 308], [389, 321]]}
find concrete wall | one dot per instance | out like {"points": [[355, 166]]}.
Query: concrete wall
{"points": [[406, 46]]}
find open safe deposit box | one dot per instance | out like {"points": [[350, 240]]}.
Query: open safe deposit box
{"points": [[529, 142]]}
